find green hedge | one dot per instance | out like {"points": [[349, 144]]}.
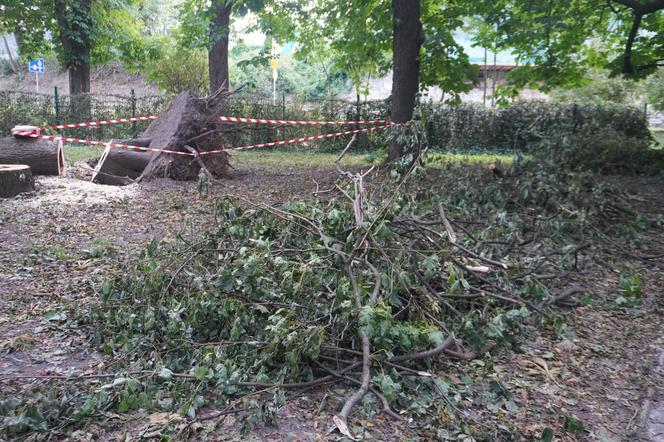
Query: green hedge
{"points": [[524, 125], [518, 127]]}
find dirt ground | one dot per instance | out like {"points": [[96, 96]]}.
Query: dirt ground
{"points": [[605, 366]]}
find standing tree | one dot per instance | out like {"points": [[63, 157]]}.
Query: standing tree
{"points": [[75, 31], [206, 24], [87, 31], [407, 39], [218, 46], [362, 36]]}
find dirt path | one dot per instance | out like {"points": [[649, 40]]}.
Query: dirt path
{"points": [[58, 243]]}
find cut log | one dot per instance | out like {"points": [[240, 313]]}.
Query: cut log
{"points": [[119, 167], [15, 179], [44, 157]]}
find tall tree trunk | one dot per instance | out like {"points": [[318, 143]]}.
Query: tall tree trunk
{"points": [[12, 63], [75, 23], [218, 50], [79, 78], [408, 37]]}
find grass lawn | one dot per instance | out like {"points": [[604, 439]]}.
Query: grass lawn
{"points": [[309, 158], [79, 152]]}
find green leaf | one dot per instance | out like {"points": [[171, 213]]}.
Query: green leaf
{"points": [[573, 425], [547, 435], [200, 373]]}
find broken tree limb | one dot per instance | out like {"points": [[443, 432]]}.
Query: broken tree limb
{"points": [[119, 167], [15, 179], [42, 156]]}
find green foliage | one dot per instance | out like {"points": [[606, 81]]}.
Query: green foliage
{"points": [[356, 36], [605, 151], [600, 88], [653, 89], [523, 126], [196, 16], [309, 81], [629, 289], [113, 29], [573, 425], [179, 69], [557, 41]]}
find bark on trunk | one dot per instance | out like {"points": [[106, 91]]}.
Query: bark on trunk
{"points": [[75, 25], [408, 37], [79, 78], [218, 50], [119, 167], [15, 179], [43, 157]]}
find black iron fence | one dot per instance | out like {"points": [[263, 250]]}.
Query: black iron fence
{"points": [[20, 108]]}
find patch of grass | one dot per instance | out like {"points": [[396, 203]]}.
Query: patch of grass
{"points": [[312, 159], [294, 158], [80, 152], [440, 159]]}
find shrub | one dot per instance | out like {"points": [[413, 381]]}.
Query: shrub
{"points": [[522, 125], [180, 70], [608, 152]]}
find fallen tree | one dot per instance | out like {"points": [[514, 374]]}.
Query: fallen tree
{"points": [[119, 167], [189, 125], [42, 156], [15, 179]]}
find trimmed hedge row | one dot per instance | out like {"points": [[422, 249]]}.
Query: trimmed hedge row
{"points": [[524, 125]]}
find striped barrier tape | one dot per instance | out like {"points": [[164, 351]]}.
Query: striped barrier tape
{"points": [[103, 122], [293, 140], [221, 118], [297, 123], [36, 134]]}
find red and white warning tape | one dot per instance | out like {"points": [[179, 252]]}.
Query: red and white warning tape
{"points": [[36, 134], [103, 122], [297, 123], [292, 140], [224, 119]]}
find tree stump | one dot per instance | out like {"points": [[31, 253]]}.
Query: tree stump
{"points": [[42, 156], [15, 179]]}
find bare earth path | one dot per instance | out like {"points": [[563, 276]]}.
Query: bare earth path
{"points": [[56, 245]]}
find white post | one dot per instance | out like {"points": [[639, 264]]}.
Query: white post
{"points": [[274, 90], [37, 80]]}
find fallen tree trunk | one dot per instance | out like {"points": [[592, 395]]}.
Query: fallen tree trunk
{"points": [[15, 179], [119, 167], [42, 156]]}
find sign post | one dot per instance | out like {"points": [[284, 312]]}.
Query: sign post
{"points": [[38, 67]]}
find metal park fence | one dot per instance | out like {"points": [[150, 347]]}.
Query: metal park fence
{"points": [[20, 108]]}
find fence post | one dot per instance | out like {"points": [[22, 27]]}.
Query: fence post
{"points": [[133, 111], [56, 102], [283, 112]]}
